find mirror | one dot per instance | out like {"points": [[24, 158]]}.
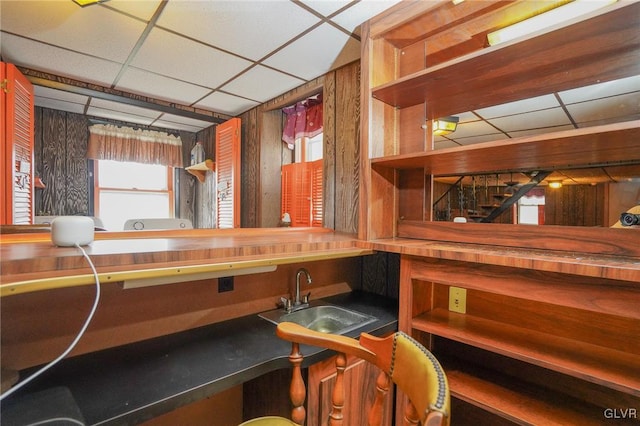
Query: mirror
{"points": [[594, 196], [583, 196]]}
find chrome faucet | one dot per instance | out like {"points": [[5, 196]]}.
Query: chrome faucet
{"points": [[297, 301]]}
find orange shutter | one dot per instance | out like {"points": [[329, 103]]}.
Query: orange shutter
{"points": [[316, 193], [17, 146], [228, 174], [287, 188], [302, 193]]}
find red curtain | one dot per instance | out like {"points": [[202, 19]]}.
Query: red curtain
{"points": [[304, 119]]}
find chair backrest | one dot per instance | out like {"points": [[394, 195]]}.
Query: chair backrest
{"points": [[400, 358], [152, 223]]}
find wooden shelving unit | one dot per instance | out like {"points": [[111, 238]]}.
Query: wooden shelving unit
{"points": [[476, 80], [550, 331]]}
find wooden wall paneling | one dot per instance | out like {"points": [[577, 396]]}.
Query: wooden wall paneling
{"points": [[54, 152], [76, 164], [205, 202], [411, 194], [411, 134], [272, 157], [187, 184], [381, 274], [329, 150], [412, 58], [250, 170], [38, 166], [347, 148]]}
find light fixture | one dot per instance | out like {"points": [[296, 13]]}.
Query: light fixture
{"points": [[555, 184], [547, 19], [445, 125], [83, 3]]}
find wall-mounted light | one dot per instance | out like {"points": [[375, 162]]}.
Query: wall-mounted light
{"points": [[445, 125], [555, 184], [83, 3], [545, 20]]}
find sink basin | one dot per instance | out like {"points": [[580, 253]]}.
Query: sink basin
{"points": [[323, 318]]}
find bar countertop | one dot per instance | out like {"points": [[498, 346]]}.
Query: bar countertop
{"points": [[30, 262]]}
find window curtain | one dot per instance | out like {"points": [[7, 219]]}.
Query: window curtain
{"points": [[304, 119], [109, 142]]}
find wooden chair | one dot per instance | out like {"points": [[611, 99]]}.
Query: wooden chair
{"points": [[402, 360]]}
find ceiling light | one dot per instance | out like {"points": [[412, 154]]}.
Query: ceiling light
{"points": [[445, 125], [547, 19], [555, 184], [83, 3]]}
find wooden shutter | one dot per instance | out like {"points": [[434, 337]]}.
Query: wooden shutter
{"points": [[17, 146], [228, 174], [316, 193], [302, 193]]}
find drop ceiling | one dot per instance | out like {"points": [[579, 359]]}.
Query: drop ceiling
{"points": [[225, 57]]}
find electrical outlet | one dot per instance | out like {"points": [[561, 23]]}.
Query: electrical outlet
{"points": [[458, 299], [225, 284]]}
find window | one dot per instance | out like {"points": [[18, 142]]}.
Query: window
{"points": [[126, 190]]}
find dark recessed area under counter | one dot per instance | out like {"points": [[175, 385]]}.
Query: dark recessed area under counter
{"points": [[133, 383]]}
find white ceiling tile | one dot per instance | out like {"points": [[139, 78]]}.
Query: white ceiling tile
{"points": [[445, 143], [472, 128], [251, 29], [226, 104], [261, 84], [59, 105], [595, 91], [471, 140], [533, 132], [41, 57], [153, 85], [362, 11], [182, 123], [124, 108], [47, 92], [614, 108], [119, 116], [95, 31], [532, 120], [531, 104], [187, 60], [326, 7], [313, 54], [140, 9]]}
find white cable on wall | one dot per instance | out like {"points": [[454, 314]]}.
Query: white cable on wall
{"points": [[75, 341]]}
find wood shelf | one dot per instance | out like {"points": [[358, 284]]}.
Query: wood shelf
{"points": [[494, 75], [610, 368], [591, 146], [200, 170], [514, 403]]}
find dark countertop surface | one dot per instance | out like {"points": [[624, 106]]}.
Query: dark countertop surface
{"points": [[134, 383]]}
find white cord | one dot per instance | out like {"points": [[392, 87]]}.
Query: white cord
{"points": [[57, 419], [75, 341]]}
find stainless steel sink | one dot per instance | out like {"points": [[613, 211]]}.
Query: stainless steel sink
{"points": [[324, 318]]}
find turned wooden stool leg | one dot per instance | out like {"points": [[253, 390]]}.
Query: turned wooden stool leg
{"points": [[382, 387], [410, 414], [337, 398], [297, 389]]}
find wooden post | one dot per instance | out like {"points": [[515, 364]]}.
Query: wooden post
{"points": [[297, 389]]}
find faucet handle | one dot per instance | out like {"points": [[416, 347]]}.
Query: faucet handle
{"points": [[306, 297], [286, 303]]}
